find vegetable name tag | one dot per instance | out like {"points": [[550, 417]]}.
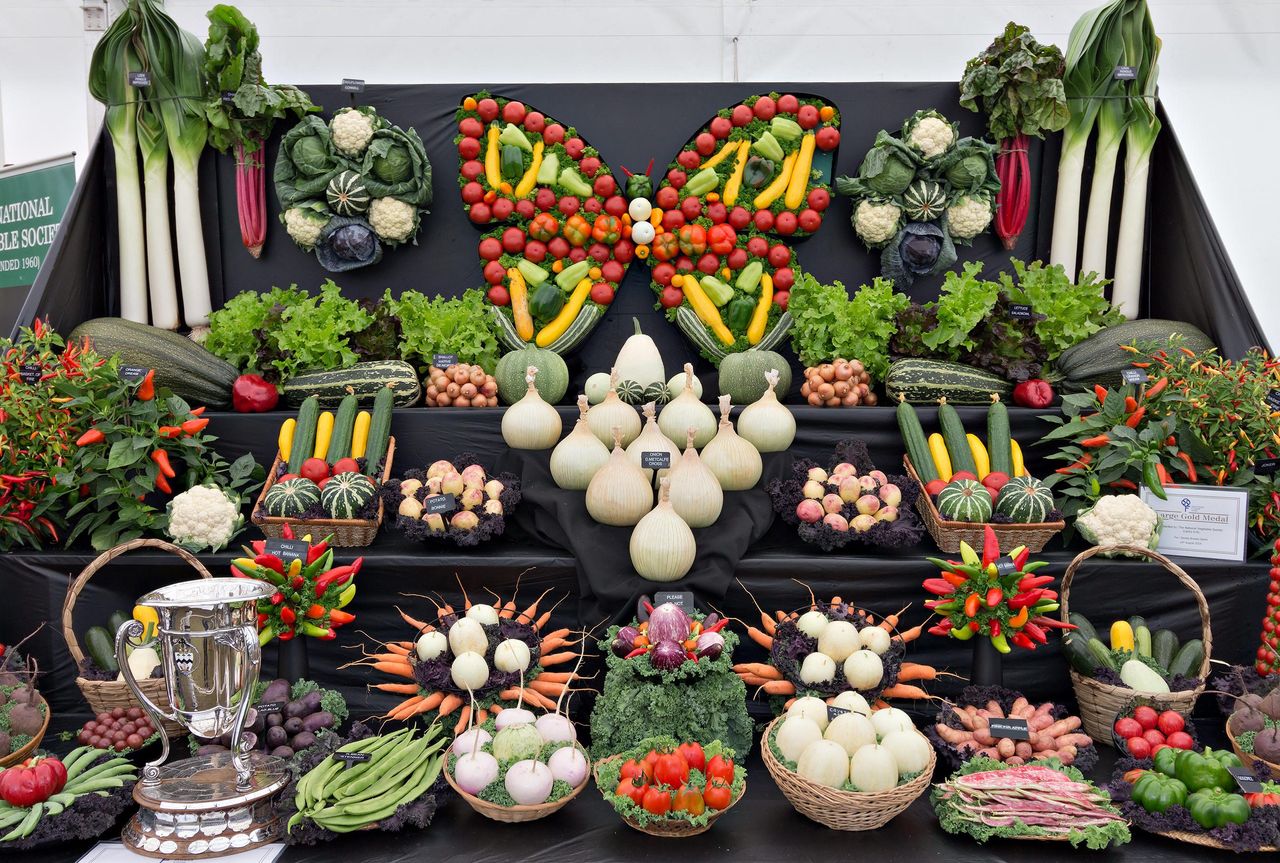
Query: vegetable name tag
{"points": [[1273, 400], [443, 361], [655, 459], [139, 79], [1134, 376], [1005, 566], [351, 759], [833, 712], [439, 504], [1125, 73], [681, 599], [1266, 466], [288, 550], [133, 374], [30, 373], [1014, 729], [1245, 781], [269, 707], [353, 85], [228, 96], [1019, 310]]}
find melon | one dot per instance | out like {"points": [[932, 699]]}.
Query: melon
{"points": [[552, 381], [742, 375]]}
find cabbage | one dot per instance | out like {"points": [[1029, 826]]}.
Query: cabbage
{"points": [[306, 163], [920, 248], [970, 167], [396, 166], [347, 244], [889, 166], [668, 622]]}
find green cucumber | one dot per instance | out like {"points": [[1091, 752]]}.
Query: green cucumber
{"points": [[954, 435], [1188, 659], [304, 434], [379, 431], [1083, 626], [916, 444], [998, 446], [344, 426], [101, 647], [1164, 646], [1102, 656], [117, 619], [1076, 648]]}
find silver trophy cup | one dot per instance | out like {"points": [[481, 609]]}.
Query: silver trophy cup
{"points": [[208, 639]]}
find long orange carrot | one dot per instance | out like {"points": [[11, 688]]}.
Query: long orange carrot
{"points": [[420, 625], [760, 638], [916, 671], [550, 644], [787, 704], [904, 690], [559, 633], [558, 676], [481, 716], [463, 716], [751, 679], [760, 669], [397, 658], [892, 620], [403, 708], [399, 688], [508, 610], [557, 658], [779, 687], [512, 694], [495, 709], [911, 634], [449, 704], [546, 687], [529, 613], [399, 669], [397, 648]]}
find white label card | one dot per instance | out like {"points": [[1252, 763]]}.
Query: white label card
{"points": [[1202, 521]]}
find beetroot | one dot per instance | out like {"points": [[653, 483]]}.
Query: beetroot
{"points": [[1266, 745], [1247, 719]]}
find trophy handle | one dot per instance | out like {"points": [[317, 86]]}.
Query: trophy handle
{"points": [[239, 747], [133, 629]]}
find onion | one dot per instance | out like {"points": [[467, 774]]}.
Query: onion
{"points": [[732, 459], [568, 764], [651, 439], [513, 716], [470, 740], [578, 457], [668, 622], [475, 772], [685, 411], [613, 413], [662, 546], [531, 423], [695, 492], [810, 708], [555, 727], [529, 782], [619, 494], [768, 425], [667, 656], [710, 645]]}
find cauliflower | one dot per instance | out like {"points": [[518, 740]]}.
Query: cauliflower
{"points": [[930, 134], [351, 131], [1116, 520], [392, 219], [969, 216], [304, 225], [204, 516], [876, 221]]}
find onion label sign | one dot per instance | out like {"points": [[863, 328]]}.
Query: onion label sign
{"points": [[32, 200]]}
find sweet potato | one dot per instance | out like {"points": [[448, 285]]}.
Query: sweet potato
{"points": [[1063, 726], [966, 718], [1040, 722], [994, 709], [1078, 740], [1041, 742], [983, 736], [1022, 749], [1044, 709], [1067, 754], [953, 735], [1020, 704], [1006, 747]]}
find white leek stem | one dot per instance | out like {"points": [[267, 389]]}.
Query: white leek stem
{"points": [[192, 267], [1066, 210], [1127, 287], [164, 294], [133, 249], [1097, 225]]}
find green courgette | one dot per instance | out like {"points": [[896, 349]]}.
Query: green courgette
{"points": [[1083, 626], [304, 434], [917, 445], [344, 426], [379, 431], [101, 647], [998, 446], [954, 436], [1142, 641], [1188, 659], [1164, 646], [1076, 648], [1102, 656], [117, 619]]}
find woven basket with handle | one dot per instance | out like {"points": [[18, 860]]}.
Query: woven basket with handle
{"points": [[1101, 702], [106, 695], [673, 828]]}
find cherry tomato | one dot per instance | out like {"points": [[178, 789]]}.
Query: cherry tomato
{"points": [[827, 138], [472, 193], [590, 165], [671, 297], [788, 104], [469, 148], [737, 259], [720, 127], [605, 185], [692, 753], [534, 121], [498, 296], [656, 801], [765, 108], [819, 199], [574, 147], [628, 788], [666, 198], [662, 274], [758, 246], [720, 767], [553, 134], [535, 251], [741, 115], [525, 209], [471, 127], [807, 117], [688, 159], [691, 207], [786, 223], [494, 272], [717, 795], [602, 293], [514, 112], [763, 220], [513, 241], [480, 213], [810, 220], [490, 249], [487, 109], [545, 199], [568, 205]]}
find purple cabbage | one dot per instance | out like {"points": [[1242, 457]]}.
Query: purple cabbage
{"points": [[710, 645], [668, 622], [667, 655]]}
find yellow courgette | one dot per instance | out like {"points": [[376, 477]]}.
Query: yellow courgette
{"points": [[779, 185], [941, 459], [725, 151], [360, 434], [760, 317], [980, 457], [492, 165], [1121, 636], [706, 310], [568, 314], [530, 178], [520, 303], [799, 181], [734, 183], [285, 439], [1019, 469], [324, 431]]}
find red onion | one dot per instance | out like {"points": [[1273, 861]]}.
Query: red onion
{"points": [[710, 645]]}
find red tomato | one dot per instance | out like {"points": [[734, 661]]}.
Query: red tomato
{"points": [[671, 770], [807, 117], [314, 469], [691, 207], [469, 148], [709, 263], [322, 482], [789, 104], [663, 272], [781, 298], [577, 253], [1180, 740], [779, 255], [535, 251], [514, 112], [671, 297], [616, 205], [783, 279], [689, 800], [605, 185], [345, 465], [599, 251], [1127, 727], [494, 272], [819, 199], [471, 170], [828, 138], [721, 239], [763, 220], [1146, 716], [657, 802], [471, 127], [717, 213], [1169, 722], [487, 109], [592, 205], [633, 768], [720, 767], [534, 121], [553, 134], [502, 208], [490, 249], [688, 159], [672, 219], [720, 127], [1138, 747], [737, 259], [558, 247], [472, 193], [525, 209], [741, 115], [513, 241], [739, 217], [545, 199], [693, 755], [684, 264], [1158, 747], [612, 271], [589, 166], [480, 213], [1153, 737], [717, 795], [765, 108], [651, 758], [705, 143], [666, 198], [758, 246], [786, 223], [602, 293], [677, 178], [810, 220], [623, 252], [574, 147], [567, 205], [628, 788], [498, 296]]}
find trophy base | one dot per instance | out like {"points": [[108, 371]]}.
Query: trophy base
{"points": [[196, 811]]}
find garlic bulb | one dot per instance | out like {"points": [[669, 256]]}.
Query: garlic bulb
{"points": [[651, 439], [618, 494], [686, 410], [767, 423], [662, 546], [695, 491], [531, 423], [731, 458], [611, 412], [576, 459]]}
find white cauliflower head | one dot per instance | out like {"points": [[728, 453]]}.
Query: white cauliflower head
{"points": [[204, 516], [392, 219], [931, 135], [351, 131], [876, 222], [969, 216], [1122, 519], [304, 225]]}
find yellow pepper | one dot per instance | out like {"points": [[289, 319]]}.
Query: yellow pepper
{"points": [[771, 192], [760, 317], [285, 440], [799, 181], [530, 178], [568, 314], [706, 310], [146, 615], [492, 168], [734, 183], [360, 434], [520, 303], [726, 150]]}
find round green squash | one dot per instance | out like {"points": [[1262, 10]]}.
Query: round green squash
{"points": [[965, 500], [742, 375], [1025, 499], [291, 498], [552, 381]]}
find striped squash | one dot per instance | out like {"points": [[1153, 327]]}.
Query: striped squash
{"points": [[363, 380], [1025, 499], [630, 392], [965, 500], [292, 497], [347, 194], [345, 494], [923, 382], [657, 393]]}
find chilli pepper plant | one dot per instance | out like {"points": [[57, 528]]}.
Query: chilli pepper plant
{"points": [[310, 594], [999, 597]]}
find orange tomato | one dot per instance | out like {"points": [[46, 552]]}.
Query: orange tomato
{"points": [[689, 800], [469, 104]]}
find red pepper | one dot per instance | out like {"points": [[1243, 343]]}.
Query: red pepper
{"points": [[337, 575], [1034, 393], [1100, 392], [194, 426], [1136, 417], [637, 652], [717, 626], [259, 546], [1191, 468], [146, 390], [297, 582], [163, 484], [277, 598], [253, 394], [971, 605], [990, 546], [1130, 404], [941, 628], [197, 412], [1036, 632], [1156, 388], [1030, 582], [1021, 640], [1127, 484], [1082, 462], [90, 437], [1096, 441], [316, 611], [1050, 623], [287, 615], [263, 618], [270, 561], [995, 629], [994, 595], [1020, 560], [33, 781], [161, 458], [1023, 600], [284, 634], [313, 553], [939, 586], [974, 626], [169, 431], [287, 531]]}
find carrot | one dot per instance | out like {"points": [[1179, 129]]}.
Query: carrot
{"points": [[557, 658], [546, 687], [466, 600], [760, 638], [916, 671], [904, 690], [559, 633], [495, 709], [400, 688], [528, 614], [880, 704], [550, 644], [760, 669], [397, 658], [462, 719], [558, 676], [911, 634], [892, 620], [399, 669], [427, 703], [752, 679], [542, 621], [787, 704], [782, 616], [538, 699], [450, 703], [512, 694], [402, 709], [779, 687], [421, 626], [481, 716], [767, 623], [397, 648]]}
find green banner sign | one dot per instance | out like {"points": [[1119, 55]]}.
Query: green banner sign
{"points": [[32, 201]]}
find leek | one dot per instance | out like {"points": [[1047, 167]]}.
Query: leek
{"points": [[155, 182], [1113, 117], [113, 59], [1140, 139]]}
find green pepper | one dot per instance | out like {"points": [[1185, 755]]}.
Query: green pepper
{"points": [[1206, 769], [533, 274], [639, 186], [548, 169], [1213, 807], [1166, 760], [1156, 792], [571, 181], [717, 291], [512, 162], [737, 315], [749, 279], [757, 172], [785, 128], [1151, 477], [546, 301], [572, 274], [699, 184], [515, 136], [768, 146]]}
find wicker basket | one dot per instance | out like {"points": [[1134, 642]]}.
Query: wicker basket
{"points": [[513, 814], [843, 810], [1205, 840], [105, 695], [1101, 702], [346, 532], [1248, 759], [949, 534], [22, 752], [674, 829]]}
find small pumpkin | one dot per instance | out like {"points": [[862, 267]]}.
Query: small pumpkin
{"points": [[925, 201], [965, 500], [347, 195], [291, 498]]}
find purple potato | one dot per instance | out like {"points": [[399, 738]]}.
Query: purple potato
{"points": [[302, 740], [277, 736], [282, 752], [316, 721], [277, 690], [292, 725], [274, 719], [210, 749]]}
